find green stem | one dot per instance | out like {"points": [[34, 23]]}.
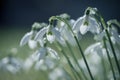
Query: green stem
{"points": [[111, 44], [109, 59], [72, 53], [104, 69], [63, 20], [68, 60]]}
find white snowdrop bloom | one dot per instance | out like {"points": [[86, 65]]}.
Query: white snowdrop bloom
{"points": [[67, 35], [26, 38], [94, 62], [96, 48], [51, 33], [41, 33], [32, 44], [41, 53], [40, 65], [93, 47], [36, 25], [58, 36], [72, 21], [85, 24], [10, 64], [93, 11], [50, 37], [100, 36], [50, 63], [28, 63]]}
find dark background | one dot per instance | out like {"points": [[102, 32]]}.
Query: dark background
{"points": [[21, 13]]}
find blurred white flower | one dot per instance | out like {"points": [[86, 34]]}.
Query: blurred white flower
{"points": [[11, 64], [26, 38], [67, 35], [28, 63], [58, 74], [43, 52], [114, 35], [40, 65]]}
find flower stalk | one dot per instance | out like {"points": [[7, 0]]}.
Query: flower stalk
{"points": [[80, 49]]}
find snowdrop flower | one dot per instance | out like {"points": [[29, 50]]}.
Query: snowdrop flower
{"points": [[47, 63], [42, 52], [96, 48], [26, 38], [32, 44], [66, 33], [40, 65], [51, 34], [85, 24], [50, 37], [28, 63], [100, 36], [11, 64]]}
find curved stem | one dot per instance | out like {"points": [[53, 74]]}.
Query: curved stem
{"points": [[80, 49], [68, 60], [111, 44], [109, 59], [72, 53]]}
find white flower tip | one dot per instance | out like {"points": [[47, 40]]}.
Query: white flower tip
{"points": [[25, 38], [32, 44], [83, 29], [50, 38], [40, 34]]}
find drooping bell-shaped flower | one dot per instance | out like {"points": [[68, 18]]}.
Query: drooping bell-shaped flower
{"points": [[10, 64], [26, 38], [66, 33], [85, 24], [50, 37], [43, 52], [51, 34], [32, 44]]}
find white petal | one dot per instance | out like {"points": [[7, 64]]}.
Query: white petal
{"points": [[28, 63], [84, 28], [41, 33], [78, 23], [100, 36], [53, 53], [50, 38], [92, 47], [42, 53], [32, 44], [58, 36], [67, 35], [94, 27], [25, 38]]}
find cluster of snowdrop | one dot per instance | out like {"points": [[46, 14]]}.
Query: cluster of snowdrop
{"points": [[53, 44], [62, 32]]}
